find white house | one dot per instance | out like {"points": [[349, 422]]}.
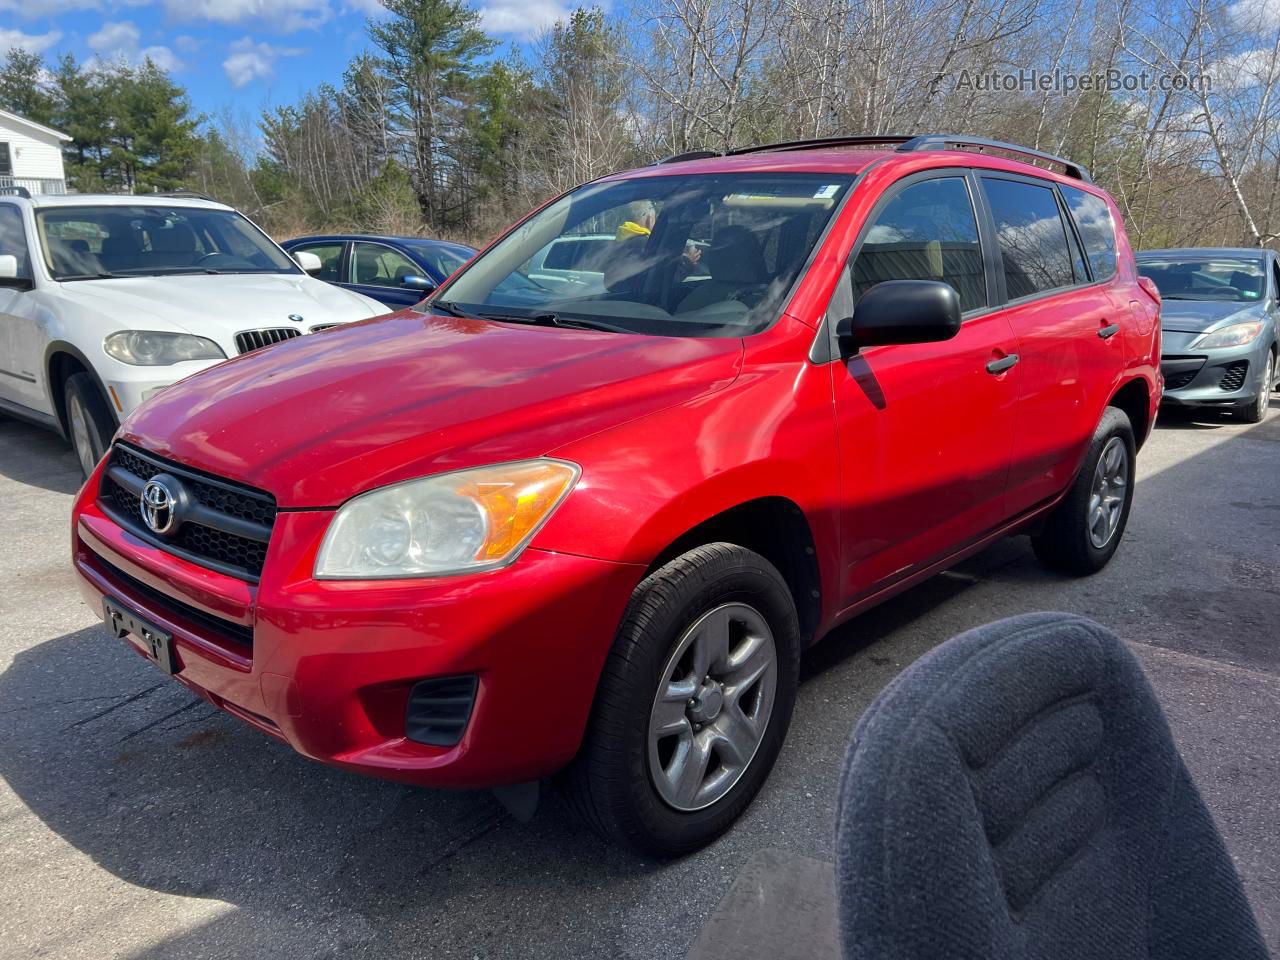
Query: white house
{"points": [[31, 155]]}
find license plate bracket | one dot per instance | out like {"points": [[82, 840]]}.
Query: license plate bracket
{"points": [[156, 643]]}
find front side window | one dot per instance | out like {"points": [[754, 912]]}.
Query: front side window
{"points": [[330, 255], [1097, 230], [13, 239], [699, 255], [375, 265], [1241, 279], [1031, 236], [926, 232], [91, 243]]}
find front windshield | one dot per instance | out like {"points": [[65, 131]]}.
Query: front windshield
{"points": [[443, 260], [1219, 278], [699, 255], [89, 243]]}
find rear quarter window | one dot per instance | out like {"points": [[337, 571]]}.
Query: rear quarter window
{"points": [[1097, 230]]}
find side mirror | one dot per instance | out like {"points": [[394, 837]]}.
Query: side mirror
{"points": [[901, 311], [9, 273], [414, 282], [308, 261]]}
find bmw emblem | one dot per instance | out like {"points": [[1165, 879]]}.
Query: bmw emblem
{"points": [[296, 317], [159, 505]]}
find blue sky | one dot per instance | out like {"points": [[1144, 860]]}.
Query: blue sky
{"points": [[241, 54]]}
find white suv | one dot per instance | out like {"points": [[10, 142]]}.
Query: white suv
{"points": [[105, 300]]}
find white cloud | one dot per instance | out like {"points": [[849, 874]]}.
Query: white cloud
{"points": [[1243, 71], [370, 8], [1254, 13], [283, 15], [32, 43], [524, 18], [248, 61], [122, 40], [46, 8]]}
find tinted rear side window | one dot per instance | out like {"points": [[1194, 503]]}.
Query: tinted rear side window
{"points": [[1097, 230], [926, 232], [1031, 236]]}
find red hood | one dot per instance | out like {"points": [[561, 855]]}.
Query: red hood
{"points": [[321, 418]]}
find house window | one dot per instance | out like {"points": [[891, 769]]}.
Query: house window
{"points": [[6, 163]]}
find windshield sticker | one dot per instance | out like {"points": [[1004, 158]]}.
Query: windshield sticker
{"points": [[827, 192]]}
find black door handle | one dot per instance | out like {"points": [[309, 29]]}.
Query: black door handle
{"points": [[1003, 364], [1109, 331]]}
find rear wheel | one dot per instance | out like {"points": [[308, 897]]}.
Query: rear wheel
{"points": [[693, 704], [89, 423], [1257, 411], [1084, 530]]}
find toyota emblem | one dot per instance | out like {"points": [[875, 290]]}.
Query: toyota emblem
{"points": [[158, 503]]}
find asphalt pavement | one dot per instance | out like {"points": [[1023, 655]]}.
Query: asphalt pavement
{"points": [[138, 822]]}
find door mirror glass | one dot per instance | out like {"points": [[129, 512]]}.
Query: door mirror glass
{"points": [[8, 266], [308, 261], [416, 282], [901, 311]]}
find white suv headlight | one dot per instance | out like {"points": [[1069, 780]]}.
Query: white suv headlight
{"points": [[158, 348], [461, 522]]}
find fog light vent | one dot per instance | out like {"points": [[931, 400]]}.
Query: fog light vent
{"points": [[1233, 375], [439, 709]]}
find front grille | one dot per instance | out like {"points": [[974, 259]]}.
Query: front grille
{"points": [[221, 629], [1177, 381], [229, 525], [252, 340], [1233, 375], [324, 326]]}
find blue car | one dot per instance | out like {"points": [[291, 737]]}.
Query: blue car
{"points": [[398, 271]]}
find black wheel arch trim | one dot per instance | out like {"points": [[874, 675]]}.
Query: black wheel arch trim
{"points": [[55, 395]]}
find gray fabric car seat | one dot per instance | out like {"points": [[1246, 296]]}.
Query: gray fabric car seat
{"points": [[737, 267], [1016, 793]]}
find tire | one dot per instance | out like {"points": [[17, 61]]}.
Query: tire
{"points": [[1256, 411], [1069, 541], [620, 782], [90, 425]]}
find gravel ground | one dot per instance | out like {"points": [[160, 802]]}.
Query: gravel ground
{"points": [[135, 821]]}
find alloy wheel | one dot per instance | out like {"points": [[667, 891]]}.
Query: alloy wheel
{"points": [[712, 707], [1110, 487], [1268, 378]]}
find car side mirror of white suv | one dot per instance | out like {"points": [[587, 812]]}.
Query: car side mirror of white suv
{"points": [[308, 261], [9, 273]]}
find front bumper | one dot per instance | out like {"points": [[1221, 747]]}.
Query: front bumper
{"points": [[1213, 378], [127, 386], [327, 666]]}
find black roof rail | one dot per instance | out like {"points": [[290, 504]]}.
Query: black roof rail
{"points": [[692, 155], [16, 191], [939, 141], [183, 194], [817, 143]]}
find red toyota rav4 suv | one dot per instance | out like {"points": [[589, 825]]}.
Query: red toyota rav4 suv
{"points": [[582, 511]]}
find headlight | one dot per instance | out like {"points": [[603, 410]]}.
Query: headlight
{"points": [[156, 348], [1236, 335], [459, 522]]}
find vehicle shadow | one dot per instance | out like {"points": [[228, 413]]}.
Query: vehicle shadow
{"points": [[37, 457]]}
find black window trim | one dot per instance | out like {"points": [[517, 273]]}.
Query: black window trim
{"points": [[825, 348]]}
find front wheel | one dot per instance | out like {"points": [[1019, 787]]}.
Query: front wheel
{"points": [[693, 704], [1084, 530], [89, 423], [1257, 410]]}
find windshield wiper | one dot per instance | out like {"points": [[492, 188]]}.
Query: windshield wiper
{"points": [[447, 306], [104, 275]]}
